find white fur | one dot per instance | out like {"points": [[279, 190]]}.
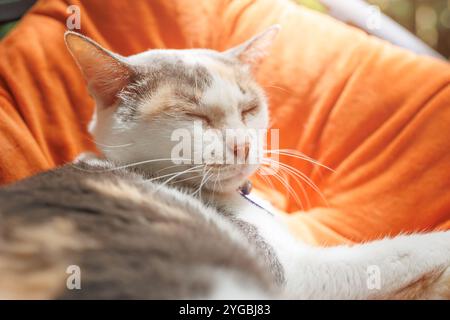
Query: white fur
{"points": [[229, 285], [343, 272]]}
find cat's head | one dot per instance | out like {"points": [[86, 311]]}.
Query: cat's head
{"points": [[150, 104]]}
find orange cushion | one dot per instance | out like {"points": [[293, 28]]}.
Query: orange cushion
{"points": [[376, 114]]}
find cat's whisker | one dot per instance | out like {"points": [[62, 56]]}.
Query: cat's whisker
{"points": [[277, 87], [299, 174], [269, 182], [128, 165], [113, 146], [205, 168], [169, 167], [148, 161], [192, 169], [297, 199], [206, 180], [289, 189], [107, 145], [299, 183], [169, 175], [265, 177], [299, 155], [215, 182], [187, 179], [202, 183], [218, 179]]}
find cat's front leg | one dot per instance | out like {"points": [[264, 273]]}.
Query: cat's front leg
{"points": [[405, 267]]}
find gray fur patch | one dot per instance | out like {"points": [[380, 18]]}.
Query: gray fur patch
{"points": [[188, 81], [264, 249], [149, 245]]}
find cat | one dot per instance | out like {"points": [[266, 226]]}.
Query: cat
{"points": [[138, 225]]}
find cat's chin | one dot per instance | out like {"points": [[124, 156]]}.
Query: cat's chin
{"points": [[228, 186], [231, 182], [224, 188]]}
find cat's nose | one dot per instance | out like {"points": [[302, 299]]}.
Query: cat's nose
{"points": [[241, 150]]}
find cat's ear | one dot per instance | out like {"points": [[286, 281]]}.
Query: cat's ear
{"points": [[105, 72], [252, 51]]}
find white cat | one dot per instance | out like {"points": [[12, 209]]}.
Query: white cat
{"points": [[142, 99]]}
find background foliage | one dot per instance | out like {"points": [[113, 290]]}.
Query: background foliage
{"points": [[5, 28]]}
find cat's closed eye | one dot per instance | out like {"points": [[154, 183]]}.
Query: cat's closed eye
{"points": [[249, 110], [199, 116]]}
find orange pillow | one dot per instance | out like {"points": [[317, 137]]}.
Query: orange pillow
{"points": [[376, 114]]}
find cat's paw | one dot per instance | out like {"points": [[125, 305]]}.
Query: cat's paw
{"points": [[433, 255], [439, 281], [439, 288]]}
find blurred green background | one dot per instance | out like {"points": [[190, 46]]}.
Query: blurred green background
{"points": [[428, 19], [5, 28]]}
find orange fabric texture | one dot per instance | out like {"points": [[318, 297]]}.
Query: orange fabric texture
{"points": [[376, 114]]}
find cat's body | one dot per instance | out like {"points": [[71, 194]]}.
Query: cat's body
{"points": [[130, 237], [134, 238], [166, 230]]}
